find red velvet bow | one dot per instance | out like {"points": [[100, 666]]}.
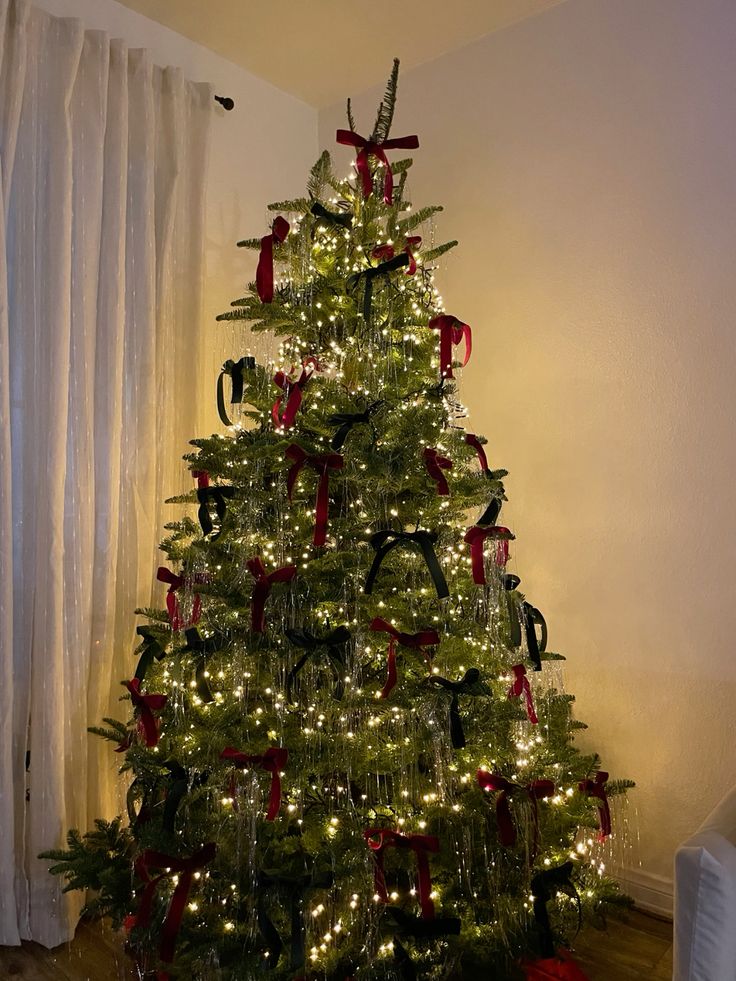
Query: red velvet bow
{"points": [[597, 788], [176, 619], [452, 331], [264, 272], [292, 389], [417, 642], [379, 839], [435, 464], [536, 790], [145, 706], [521, 687], [370, 148], [384, 252], [475, 537], [262, 589], [322, 463], [472, 440], [559, 968], [272, 761], [184, 868]]}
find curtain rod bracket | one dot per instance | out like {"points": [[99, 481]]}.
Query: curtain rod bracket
{"points": [[225, 102]]}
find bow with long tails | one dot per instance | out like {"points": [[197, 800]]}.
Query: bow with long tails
{"points": [[145, 706], [346, 420], [416, 642], [264, 272], [184, 869], [597, 788], [536, 790], [334, 642], [379, 839], [150, 647], [176, 618], [452, 332], [292, 389], [520, 687], [322, 463], [236, 370], [469, 684], [275, 888], [384, 541], [545, 886], [370, 273], [374, 148], [435, 464], [208, 493], [475, 537], [262, 588], [273, 761]]}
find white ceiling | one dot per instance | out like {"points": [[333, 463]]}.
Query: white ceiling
{"points": [[324, 50]]}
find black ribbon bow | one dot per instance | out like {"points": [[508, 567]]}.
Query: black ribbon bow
{"points": [[545, 885], [293, 887], [217, 495], [384, 541], [176, 787], [369, 274], [235, 369], [201, 648], [470, 684], [535, 645], [335, 643], [342, 218], [346, 421], [531, 618], [150, 647]]}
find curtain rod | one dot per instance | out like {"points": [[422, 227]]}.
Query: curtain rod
{"points": [[225, 101]]}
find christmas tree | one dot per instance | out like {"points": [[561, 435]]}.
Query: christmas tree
{"points": [[349, 752]]}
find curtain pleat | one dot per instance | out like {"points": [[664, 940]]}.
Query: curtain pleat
{"points": [[102, 158]]}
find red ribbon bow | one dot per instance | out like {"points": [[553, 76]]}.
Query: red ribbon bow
{"points": [[262, 589], [272, 761], [384, 252], [475, 537], [371, 148], [597, 788], [472, 440], [185, 869], [536, 790], [176, 619], [435, 464], [264, 272], [292, 389], [145, 706], [521, 687], [379, 839], [417, 642], [452, 331], [322, 463]]}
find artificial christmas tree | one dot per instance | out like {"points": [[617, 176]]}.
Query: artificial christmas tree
{"points": [[349, 753]]}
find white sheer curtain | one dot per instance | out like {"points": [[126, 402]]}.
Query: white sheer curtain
{"points": [[102, 175]]}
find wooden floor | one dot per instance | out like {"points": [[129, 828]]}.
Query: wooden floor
{"points": [[640, 948]]}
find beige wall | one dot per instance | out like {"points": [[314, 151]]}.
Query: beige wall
{"points": [[586, 159]]}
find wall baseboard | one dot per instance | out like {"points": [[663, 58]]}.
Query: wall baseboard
{"points": [[650, 892]]}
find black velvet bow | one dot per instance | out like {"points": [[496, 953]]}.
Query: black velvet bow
{"points": [[346, 421], [201, 648], [470, 684], [384, 541], [545, 885], [341, 218], [216, 495], [149, 648], [273, 885], [369, 274], [335, 643], [235, 369]]}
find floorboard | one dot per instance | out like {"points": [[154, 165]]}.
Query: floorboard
{"points": [[639, 947]]}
